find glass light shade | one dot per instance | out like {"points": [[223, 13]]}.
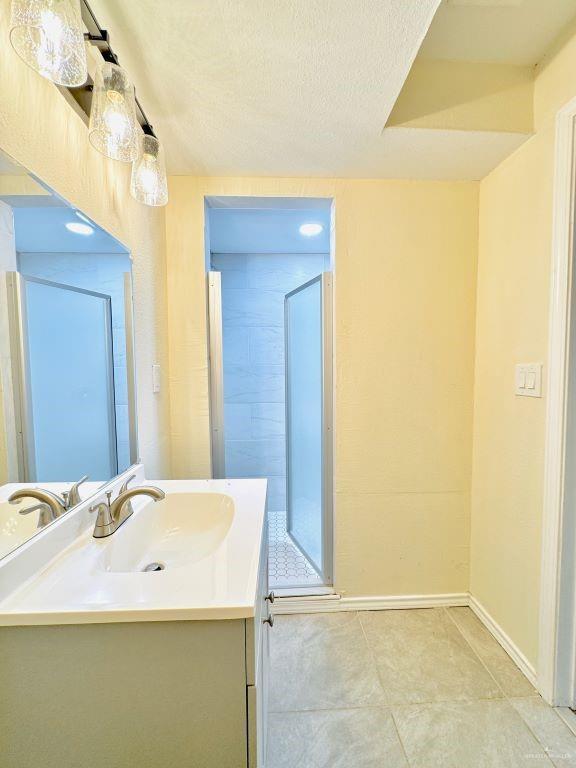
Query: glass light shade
{"points": [[149, 185], [49, 36], [113, 129]]}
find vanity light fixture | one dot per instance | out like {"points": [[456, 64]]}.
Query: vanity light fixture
{"points": [[78, 228], [113, 129], [115, 109], [49, 36], [310, 229], [148, 184]]}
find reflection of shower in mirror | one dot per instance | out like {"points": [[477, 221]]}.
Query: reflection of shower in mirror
{"points": [[66, 382]]}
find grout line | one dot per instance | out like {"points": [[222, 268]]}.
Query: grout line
{"points": [[475, 652], [506, 698], [388, 707]]}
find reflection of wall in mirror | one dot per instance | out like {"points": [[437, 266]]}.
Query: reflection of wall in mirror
{"points": [[8, 466]]}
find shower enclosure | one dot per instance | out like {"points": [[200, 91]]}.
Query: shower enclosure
{"points": [[270, 335]]}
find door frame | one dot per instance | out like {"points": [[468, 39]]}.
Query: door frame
{"points": [[326, 284], [557, 626]]}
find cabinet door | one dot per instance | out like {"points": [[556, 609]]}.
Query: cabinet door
{"points": [[257, 698], [258, 650]]}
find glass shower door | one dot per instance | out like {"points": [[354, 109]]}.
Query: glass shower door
{"points": [[69, 422], [308, 313]]}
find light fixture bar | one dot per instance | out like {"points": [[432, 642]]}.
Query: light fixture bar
{"points": [[99, 37]]}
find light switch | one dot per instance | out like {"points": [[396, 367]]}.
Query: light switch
{"points": [[529, 379], [155, 378]]}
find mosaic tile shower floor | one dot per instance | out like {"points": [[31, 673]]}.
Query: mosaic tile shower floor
{"points": [[288, 567]]}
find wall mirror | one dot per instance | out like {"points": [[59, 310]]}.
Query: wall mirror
{"points": [[67, 393]]}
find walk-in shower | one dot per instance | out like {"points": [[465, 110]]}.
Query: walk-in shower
{"points": [[269, 264]]}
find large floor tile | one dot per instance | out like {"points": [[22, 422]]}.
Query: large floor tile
{"points": [[479, 734], [321, 661], [500, 665], [340, 738], [550, 730], [423, 657]]}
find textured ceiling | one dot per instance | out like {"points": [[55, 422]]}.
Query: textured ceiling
{"points": [[261, 87], [506, 31]]}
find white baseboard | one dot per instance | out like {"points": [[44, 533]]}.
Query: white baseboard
{"points": [[505, 641], [335, 602], [330, 603]]}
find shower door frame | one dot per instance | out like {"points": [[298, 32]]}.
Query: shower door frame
{"points": [[22, 378], [326, 282]]}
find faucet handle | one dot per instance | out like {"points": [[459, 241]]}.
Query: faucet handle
{"points": [[104, 522], [46, 514], [124, 486], [73, 495]]}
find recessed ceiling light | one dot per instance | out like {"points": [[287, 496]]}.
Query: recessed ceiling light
{"points": [[79, 229], [310, 229]]}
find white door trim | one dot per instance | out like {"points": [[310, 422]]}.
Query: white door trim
{"points": [[557, 636]]}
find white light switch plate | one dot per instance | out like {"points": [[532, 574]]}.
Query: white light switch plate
{"points": [[529, 379]]}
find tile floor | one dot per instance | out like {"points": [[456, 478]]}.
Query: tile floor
{"points": [[287, 566], [404, 689]]}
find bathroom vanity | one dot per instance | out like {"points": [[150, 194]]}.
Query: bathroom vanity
{"points": [[146, 648]]}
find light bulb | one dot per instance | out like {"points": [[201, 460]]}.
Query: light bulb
{"points": [[113, 129], [52, 50], [149, 185], [48, 35]]}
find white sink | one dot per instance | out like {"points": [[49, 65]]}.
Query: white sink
{"points": [[15, 528], [178, 531], [207, 535]]}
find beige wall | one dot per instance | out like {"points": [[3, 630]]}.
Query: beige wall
{"points": [[512, 327], [405, 305], [40, 130], [512, 322]]}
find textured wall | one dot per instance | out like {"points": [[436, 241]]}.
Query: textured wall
{"points": [[512, 327], [405, 283], [40, 130]]}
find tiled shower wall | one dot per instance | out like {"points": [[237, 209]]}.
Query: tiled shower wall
{"points": [[253, 290]]}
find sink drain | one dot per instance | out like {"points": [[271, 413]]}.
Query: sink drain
{"points": [[154, 567]]}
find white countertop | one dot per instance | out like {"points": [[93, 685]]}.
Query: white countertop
{"points": [[209, 534]]}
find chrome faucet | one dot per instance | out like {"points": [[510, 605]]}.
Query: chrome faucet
{"points": [[111, 514], [51, 505], [45, 515], [56, 504], [72, 496]]}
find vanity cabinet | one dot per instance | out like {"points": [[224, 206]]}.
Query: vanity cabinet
{"points": [[180, 694]]}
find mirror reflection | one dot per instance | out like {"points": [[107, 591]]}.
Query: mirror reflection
{"points": [[66, 376]]}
